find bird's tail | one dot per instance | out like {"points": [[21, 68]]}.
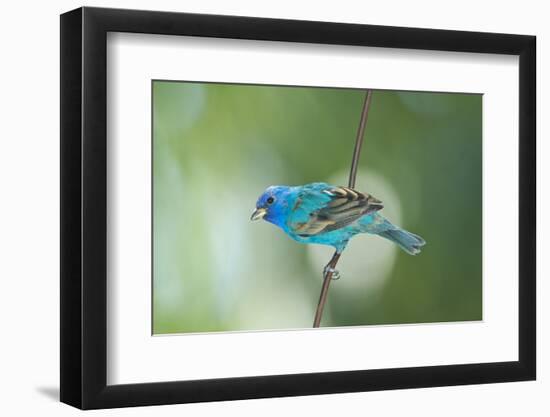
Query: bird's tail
{"points": [[408, 241]]}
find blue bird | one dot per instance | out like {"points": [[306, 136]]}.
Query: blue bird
{"points": [[329, 215]]}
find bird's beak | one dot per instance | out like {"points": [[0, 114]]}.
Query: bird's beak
{"points": [[258, 214]]}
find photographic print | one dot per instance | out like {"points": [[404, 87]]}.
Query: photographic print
{"points": [[265, 195], [227, 229]]}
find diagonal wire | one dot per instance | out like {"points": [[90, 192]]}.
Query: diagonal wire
{"points": [[351, 183]]}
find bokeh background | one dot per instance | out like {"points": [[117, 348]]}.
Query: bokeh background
{"points": [[216, 147]]}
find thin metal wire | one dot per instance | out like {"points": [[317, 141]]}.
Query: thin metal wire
{"points": [[330, 268], [359, 139]]}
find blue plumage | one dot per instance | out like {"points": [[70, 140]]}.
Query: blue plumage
{"points": [[328, 215]]}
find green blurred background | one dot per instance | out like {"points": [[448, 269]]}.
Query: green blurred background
{"points": [[216, 147]]}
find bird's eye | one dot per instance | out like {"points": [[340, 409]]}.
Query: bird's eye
{"points": [[270, 200]]}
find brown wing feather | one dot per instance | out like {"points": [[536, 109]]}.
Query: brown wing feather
{"points": [[345, 207]]}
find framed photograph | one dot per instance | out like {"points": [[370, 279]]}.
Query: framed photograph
{"points": [[259, 208]]}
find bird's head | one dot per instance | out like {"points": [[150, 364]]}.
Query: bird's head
{"points": [[272, 205]]}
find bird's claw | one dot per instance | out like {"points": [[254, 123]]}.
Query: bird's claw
{"points": [[335, 273]]}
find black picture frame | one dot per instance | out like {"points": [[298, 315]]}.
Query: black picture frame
{"points": [[84, 207]]}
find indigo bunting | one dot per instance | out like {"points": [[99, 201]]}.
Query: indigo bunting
{"points": [[328, 215]]}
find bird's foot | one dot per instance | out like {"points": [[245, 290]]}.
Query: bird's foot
{"points": [[335, 273]]}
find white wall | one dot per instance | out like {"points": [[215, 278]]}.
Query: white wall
{"points": [[29, 176]]}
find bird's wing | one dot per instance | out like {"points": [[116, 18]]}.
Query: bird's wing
{"points": [[323, 209]]}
